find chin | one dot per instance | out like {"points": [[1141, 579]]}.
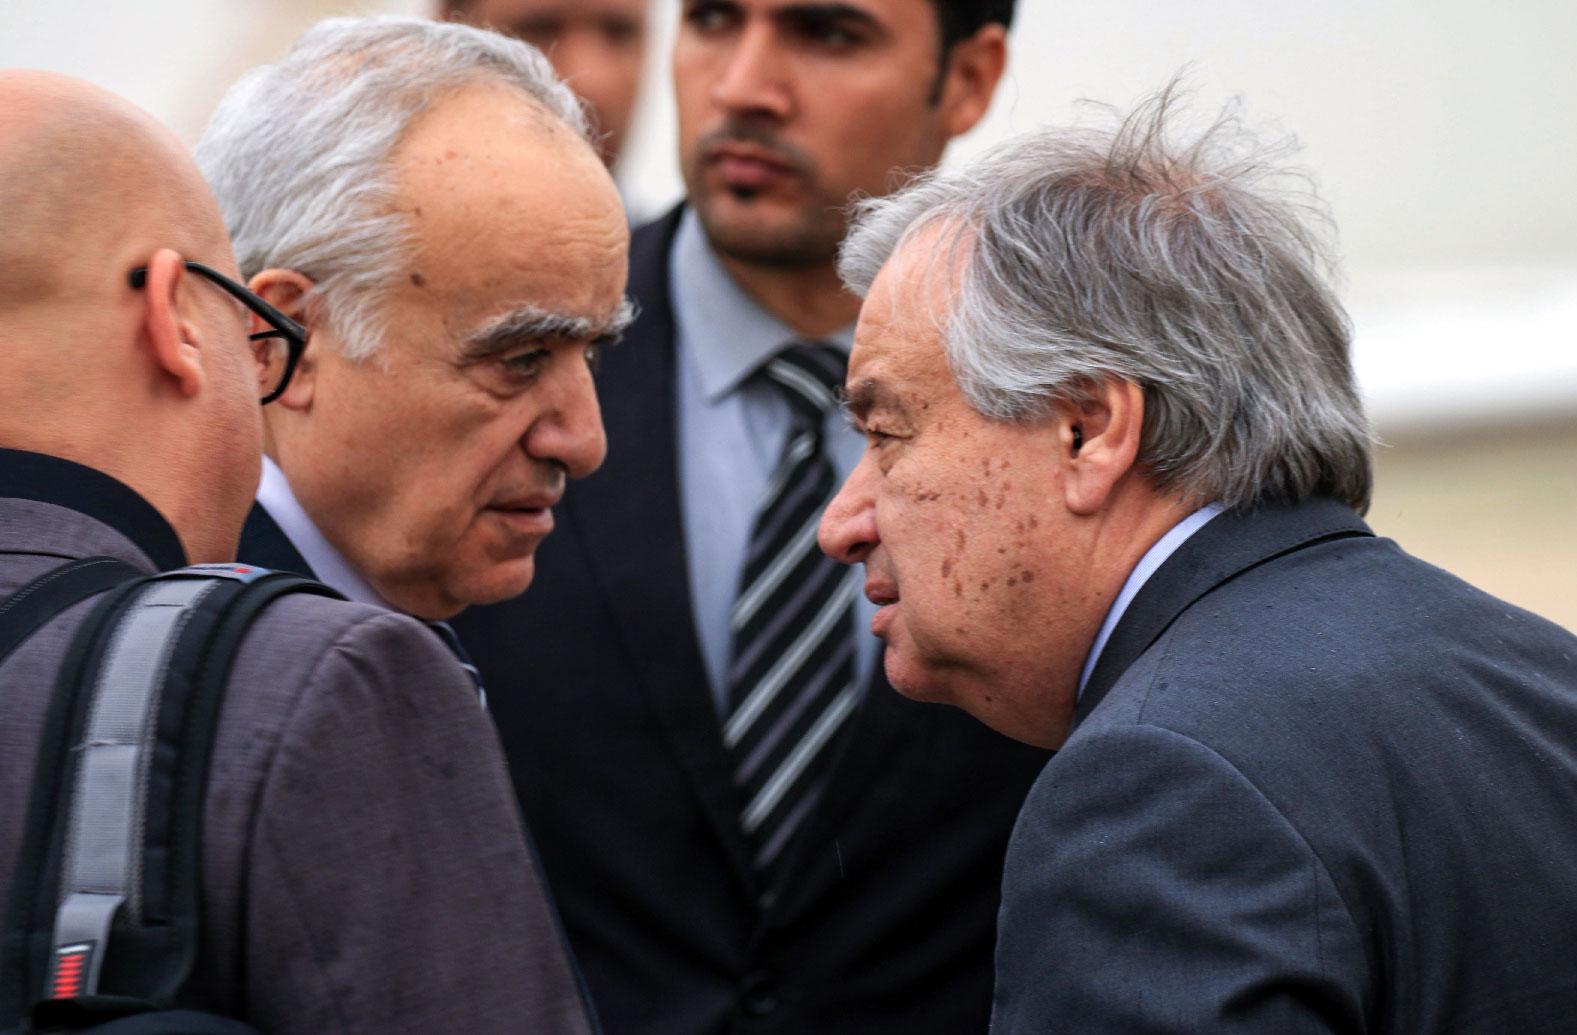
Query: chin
{"points": [[763, 231], [503, 582], [912, 680]]}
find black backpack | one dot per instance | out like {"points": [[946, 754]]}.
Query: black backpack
{"points": [[102, 930]]}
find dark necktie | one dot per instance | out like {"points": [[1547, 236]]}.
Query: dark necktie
{"points": [[451, 640], [791, 681]]}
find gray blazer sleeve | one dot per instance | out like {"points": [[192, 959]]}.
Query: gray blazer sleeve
{"points": [[390, 888], [1150, 887]]}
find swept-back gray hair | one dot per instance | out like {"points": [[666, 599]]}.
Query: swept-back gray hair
{"points": [[1193, 268], [298, 151]]}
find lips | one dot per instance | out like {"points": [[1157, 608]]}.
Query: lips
{"points": [[532, 501], [527, 515], [880, 592], [747, 166], [885, 596]]}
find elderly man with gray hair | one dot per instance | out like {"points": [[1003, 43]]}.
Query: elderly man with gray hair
{"points": [[1110, 504], [424, 198]]}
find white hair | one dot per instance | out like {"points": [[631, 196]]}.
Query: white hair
{"points": [[298, 152], [1191, 269]]}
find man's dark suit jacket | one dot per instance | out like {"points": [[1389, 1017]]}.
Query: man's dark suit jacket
{"points": [[1316, 786], [886, 919], [364, 869]]}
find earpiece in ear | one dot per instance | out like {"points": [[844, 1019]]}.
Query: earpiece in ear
{"points": [[1078, 438]]}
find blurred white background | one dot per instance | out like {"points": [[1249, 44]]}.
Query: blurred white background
{"points": [[1443, 134]]}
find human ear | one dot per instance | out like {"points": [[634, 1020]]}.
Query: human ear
{"points": [[1100, 434], [171, 337], [287, 291], [974, 66]]}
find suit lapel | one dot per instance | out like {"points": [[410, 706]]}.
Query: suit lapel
{"points": [[266, 545], [1226, 547], [633, 548]]}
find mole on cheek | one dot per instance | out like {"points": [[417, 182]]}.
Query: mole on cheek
{"points": [[418, 280]]}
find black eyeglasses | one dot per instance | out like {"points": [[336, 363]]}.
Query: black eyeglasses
{"points": [[278, 351]]}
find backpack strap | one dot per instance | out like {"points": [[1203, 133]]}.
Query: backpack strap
{"points": [[28, 609], [20, 977], [122, 915]]}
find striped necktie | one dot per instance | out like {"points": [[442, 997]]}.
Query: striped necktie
{"points": [[792, 680], [446, 633]]}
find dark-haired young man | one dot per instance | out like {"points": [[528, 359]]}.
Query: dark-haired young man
{"points": [[744, 827]]}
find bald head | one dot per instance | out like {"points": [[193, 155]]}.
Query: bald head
{"points": [[152, 385], [87, 179]]}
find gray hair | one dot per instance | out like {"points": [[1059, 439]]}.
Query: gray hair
{"points": [[1193, 270], [298, 151]]}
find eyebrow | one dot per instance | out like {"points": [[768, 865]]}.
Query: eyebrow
{"points": [[533, 323], [810, 10], [820, 14], [866, 396]]}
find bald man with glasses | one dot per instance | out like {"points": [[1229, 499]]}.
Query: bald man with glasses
{"points": [[361, 848]]}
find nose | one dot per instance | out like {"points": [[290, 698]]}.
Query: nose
{"points": [[569, 430], [754, 79], [848, 525], [592, 70]]}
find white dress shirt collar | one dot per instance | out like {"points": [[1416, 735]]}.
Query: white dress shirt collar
{"points": [[1148, 564], [328, 565]]}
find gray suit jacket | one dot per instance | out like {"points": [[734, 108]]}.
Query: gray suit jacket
{"points": [[364, 868], [1316, 786]]}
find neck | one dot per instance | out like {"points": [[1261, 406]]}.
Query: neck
{"points": [[809, 299], [207, 527], [1134, 520]]}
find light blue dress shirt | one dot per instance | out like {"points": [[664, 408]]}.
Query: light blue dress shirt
{"points": [[732, 430]]}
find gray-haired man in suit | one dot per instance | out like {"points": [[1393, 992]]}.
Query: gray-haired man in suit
{"points": [[363, 866], [424, 198], [1109, 504]]}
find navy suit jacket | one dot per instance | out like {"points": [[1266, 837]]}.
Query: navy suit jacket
{"points": [[886, 918], [266, 545], [1316, 785]]}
